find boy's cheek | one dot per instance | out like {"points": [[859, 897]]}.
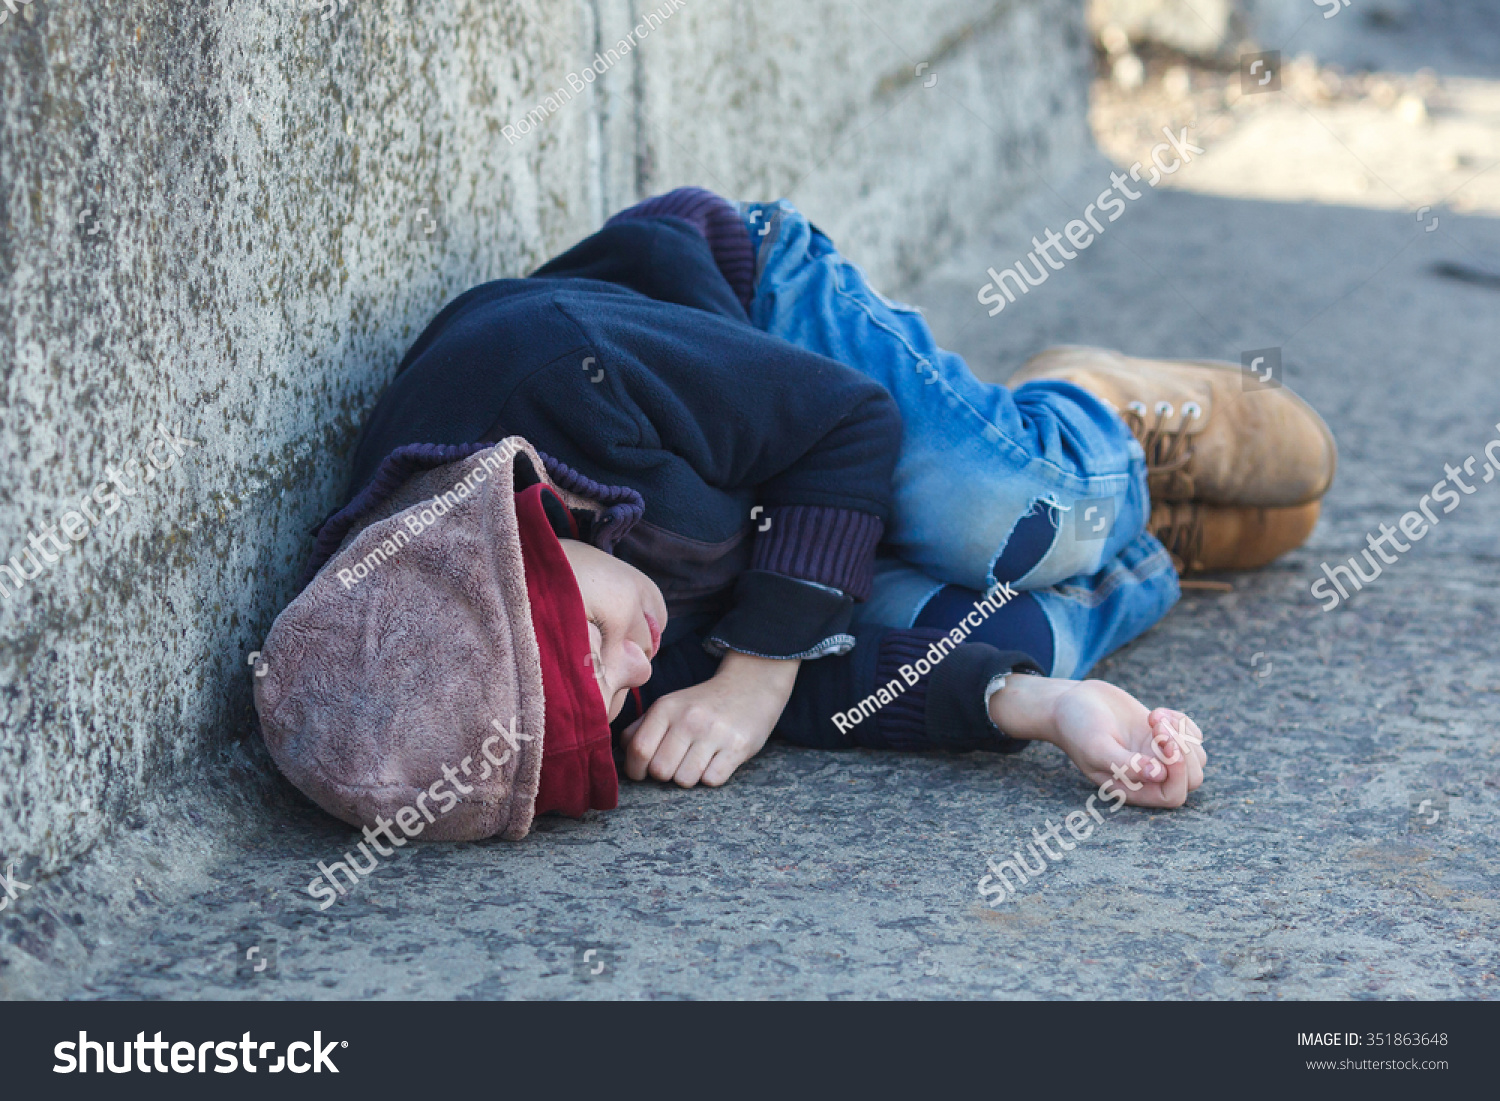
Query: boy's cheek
{"points": [[617, 706]]}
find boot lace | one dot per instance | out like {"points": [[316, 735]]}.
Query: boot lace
{"points": [[1162, 433], [1181, 532]]}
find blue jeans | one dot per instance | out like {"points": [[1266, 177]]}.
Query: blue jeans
{"points": [[1043, 487]]}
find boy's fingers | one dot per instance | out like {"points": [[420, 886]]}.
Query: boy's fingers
{"points": [[693, 765], [1167, 768], [1100, 766], [1156, 795], [720, 769], [1197, 757], [1177, 739], [1163, 785], [640, 747], [1145, 766], [1195, 739], [1168, 742], [668, 756], [1195, 774], [1174, 788], [1174, 727]]}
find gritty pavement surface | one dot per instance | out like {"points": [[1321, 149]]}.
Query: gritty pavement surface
{"points": [[1343, 844]]}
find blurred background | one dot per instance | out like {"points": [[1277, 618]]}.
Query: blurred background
{"points": [[1391, 104]]}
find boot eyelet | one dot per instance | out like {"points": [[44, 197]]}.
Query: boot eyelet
{"points": [[1138, 408], [1163, 409], [1192, 410]]}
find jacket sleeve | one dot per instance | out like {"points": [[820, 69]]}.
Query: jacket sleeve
{"points": [[839, 703], [876, 698]]}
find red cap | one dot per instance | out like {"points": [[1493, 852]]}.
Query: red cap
{"points": [[578, 766]]}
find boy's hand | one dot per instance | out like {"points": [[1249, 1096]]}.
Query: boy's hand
{"points": [[1108, 734], [703, 733], [1110, 739]]}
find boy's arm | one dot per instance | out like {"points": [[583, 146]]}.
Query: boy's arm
{"points": [[876, 698], [1137, 756], [945, 709], [701, 734]]}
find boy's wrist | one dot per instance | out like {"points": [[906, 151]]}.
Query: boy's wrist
{"points": [[773, 673], [1024, 707]]}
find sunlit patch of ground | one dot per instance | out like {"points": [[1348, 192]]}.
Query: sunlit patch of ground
{"points": [[1398, 141]]}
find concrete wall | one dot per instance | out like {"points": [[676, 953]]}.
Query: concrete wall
{"points": [[230, 218]]}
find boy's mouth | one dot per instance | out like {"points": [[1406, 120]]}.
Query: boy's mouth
{"points": [[655, 629]]}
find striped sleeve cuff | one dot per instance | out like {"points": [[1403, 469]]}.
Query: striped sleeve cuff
{"points": [[828, 546], [945, 707]]}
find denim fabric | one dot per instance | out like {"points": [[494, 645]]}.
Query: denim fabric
{"points": [[1089, 616], [978, 463], [1020, 624]]}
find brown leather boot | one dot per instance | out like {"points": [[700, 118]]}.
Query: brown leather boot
{"points": [[1206, 538], [1206, 437]]}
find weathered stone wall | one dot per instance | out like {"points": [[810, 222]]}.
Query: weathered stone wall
{"points": [[228, 219]]}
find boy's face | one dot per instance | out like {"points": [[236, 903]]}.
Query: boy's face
{"points": [[626, 614]]}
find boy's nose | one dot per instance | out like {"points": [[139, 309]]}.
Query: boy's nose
{"points": [[637, 668]]}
